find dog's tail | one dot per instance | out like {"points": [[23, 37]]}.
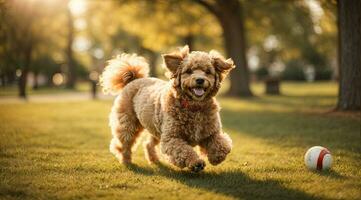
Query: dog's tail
{"points": [[122, 70]]}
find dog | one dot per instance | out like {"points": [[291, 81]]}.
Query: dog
{"points": [[179, 114]]}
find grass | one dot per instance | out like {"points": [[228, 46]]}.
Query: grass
{"points": [[60, 151]]}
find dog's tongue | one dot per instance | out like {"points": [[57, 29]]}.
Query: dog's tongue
{"points": [[198, 91]]}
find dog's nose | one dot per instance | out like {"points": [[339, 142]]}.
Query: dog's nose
{"points": [[199, 81]]}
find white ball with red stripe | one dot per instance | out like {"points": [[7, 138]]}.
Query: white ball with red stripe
{"points": [[318, 158]]}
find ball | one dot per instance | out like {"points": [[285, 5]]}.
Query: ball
{"points": [[318, 158]]}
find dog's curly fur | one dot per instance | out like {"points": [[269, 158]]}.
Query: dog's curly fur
{"points": [[179, 114]]}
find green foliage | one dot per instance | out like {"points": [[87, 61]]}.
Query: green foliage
{"points": [[155, 27], [324, 73], [294, 71], [81, 70], [45, 65], [302, 33], [262, 73], [28, 30]]}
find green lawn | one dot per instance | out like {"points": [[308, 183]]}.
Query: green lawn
{"points": [[60, 151]]}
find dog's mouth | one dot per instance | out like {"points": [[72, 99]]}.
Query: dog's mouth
{"points": [[198, 91]]}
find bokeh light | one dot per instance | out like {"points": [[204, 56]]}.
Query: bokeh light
{"points": [[58, 79]]}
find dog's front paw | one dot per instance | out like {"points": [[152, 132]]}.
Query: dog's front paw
{"points": [[216, 158], [197, 166]]}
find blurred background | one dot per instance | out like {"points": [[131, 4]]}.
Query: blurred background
{"points": [[298, 62], [57, 45]]}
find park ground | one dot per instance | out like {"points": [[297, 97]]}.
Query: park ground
{"points": [[59, 150]]}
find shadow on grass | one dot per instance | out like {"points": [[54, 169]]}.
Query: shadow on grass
{"points": [[231, 183], [289, 129], [291, 101], [295, 101]]}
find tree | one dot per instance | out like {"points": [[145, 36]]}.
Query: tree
{"points": [[21, 37], [28, 36], [69, 52], [349, 23], [177, 23], [299, 33], [230, 16]]}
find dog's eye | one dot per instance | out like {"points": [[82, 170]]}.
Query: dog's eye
{"points": [[189, 71], [208, 71]]}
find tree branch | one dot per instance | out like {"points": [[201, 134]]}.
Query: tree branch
{"points": [[211, 8]]}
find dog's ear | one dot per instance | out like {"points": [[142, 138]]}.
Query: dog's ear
{"points": [[220, 63], [223, 65], [173, 60], [222, 68]]}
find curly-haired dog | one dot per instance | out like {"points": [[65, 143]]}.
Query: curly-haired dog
{"points": [[179, 114]]}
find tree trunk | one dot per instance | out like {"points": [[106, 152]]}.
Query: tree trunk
{"points": [[10, 77], [69, 53], [49, 80], [24, 72], [22, 83], [272, 85], [3, 79], [189, 40], [36, 83], [152, 57], [93, 89], [153, 64], [230, 15], [349, 22]]}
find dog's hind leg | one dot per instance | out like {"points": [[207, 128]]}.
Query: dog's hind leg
{"points": [[149, 149], [125, 130]]}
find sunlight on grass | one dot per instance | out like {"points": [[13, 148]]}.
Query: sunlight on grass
{"points": [[327, 88], [60, 150]]}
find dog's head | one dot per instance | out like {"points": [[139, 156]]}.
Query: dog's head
{"points": [[197, 75]]}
